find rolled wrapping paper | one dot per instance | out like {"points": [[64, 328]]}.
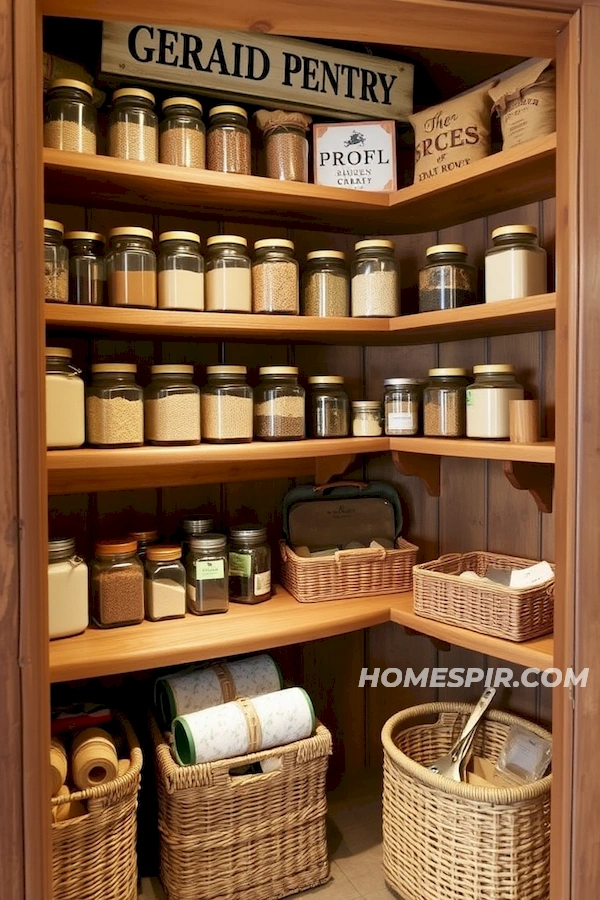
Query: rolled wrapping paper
{"points": [[243, 726], [94, 759], [58, 765], [63, 811], [188, 692]]}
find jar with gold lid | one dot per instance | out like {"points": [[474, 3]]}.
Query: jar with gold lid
{"points": [[228, 280], [131, 267], [326, 284], [228, 140], [444, 403], [117, 579], [164, 587], [114, 406], [70, 116], [182, 133], [133, 125], [375, 279]]}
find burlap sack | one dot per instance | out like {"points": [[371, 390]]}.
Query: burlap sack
{"points": [[526, 103]]}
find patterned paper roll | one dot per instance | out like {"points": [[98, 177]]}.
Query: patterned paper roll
{"points": [[94, 759], [243, 726], [58, 765], [187, 692]]}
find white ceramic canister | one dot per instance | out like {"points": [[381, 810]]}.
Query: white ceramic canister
{"points": [[68, 607]]}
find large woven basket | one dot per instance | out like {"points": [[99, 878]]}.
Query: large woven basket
{"points": [[94, 856], [442, 839], [350, 573], [243, 837], [514, 614]]}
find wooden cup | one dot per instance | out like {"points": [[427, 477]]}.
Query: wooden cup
{"points": [[94, 758], [524, 421], [58, 765]]}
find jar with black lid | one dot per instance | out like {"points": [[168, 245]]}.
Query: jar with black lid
{"points": [[70, 117], [87, 269], [330, 407], [249, 565], [182, 133], [207, 574], [133, 125], [447, 281], [56, 263]]}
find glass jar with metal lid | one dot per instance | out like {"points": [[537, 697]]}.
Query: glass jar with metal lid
{"points": [[326, 284], [180, 271], [133, 125], [164, 587], [228, 146], [279, 413], [375, 279], [366, 418], [65, 401], [207, 574], [56, 263], [226, 406], [444, 403], [131, 267], [402, 400], [87, 269], [447, 281], [114, 406], [192, 527], [330, 407], [249, 564], [172, 406], [515, 266], [144, 539], [117, 584], [70, 116], [488, 401], [275, 277], [228, 282], [182, 133], [68, 599]]}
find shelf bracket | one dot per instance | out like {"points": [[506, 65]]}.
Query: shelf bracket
{"points": [[329, 467], [424, 466], [537, 478]]}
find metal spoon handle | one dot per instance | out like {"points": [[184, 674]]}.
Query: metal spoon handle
{"points": [[473, 720]]}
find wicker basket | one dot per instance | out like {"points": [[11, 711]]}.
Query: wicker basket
{"points": [[511, 613], [243, 837], [443, 839], [350, 573], [94, 856]]}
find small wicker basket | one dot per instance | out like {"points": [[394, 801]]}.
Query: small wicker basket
{"points": [[443, 839]]}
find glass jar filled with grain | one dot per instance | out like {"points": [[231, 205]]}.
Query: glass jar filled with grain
{"points": [[182, 133], [114, 406], [56, 263], [180, 271], [70, 117], [207, 574], [164, 583], [375, 279], [226, 406], [131, 267], [172, 406], [447, 281], [133, 125], [275, 274], [326, 284], [228, 146], [228, 281], [279, 413], [285, 143], [402, 401], [330, 407], [444, 403], [249, 564], [117, 577], [87, 269], [366, 418]]}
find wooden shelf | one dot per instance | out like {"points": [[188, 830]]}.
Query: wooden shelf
{"points": [[542, 452]]}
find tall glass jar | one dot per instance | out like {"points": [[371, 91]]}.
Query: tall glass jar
{"points": [[131, 267], [275, 277], [144, 540], [172, 406], [180, 271], [249, 565], [70, 116], [165, 583], [326, 284], [68, 599], [375, 279], [226, 406], [228, 140], [182, 133], [114, 406], [366, 418], [207, 575], [488, 401], [286, 152], [133, 125], [56, 263], [65, 403], [117, 584], [279, 413], [87, 269], [228, 282], [447, 281], [330, 407], [515, 266], [444, 403], [402, 400]]}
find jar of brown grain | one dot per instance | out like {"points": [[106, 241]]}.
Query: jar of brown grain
{"points": [[444, 403], [286, 144], [275, 277], [228, 146], [182, 133], [133, 126], [117, 584], [131, 267]]}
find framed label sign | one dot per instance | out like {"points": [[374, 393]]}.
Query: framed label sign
{"points": [[359, 155]]}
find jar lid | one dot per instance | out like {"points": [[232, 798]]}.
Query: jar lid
{"points": [[400, 382], [179, 236], [326, 254], [143, 535], [366, 404], [227, 239], [130, 231], [199, 525], [226, 370], [374, 242], [217, 110], [182, 101], [446, 248], [278, 370], [164, 552], [53, 225], [172, 368], [133, 92], [84, 236], [208, 541], [61, 545], [494, 368], [61, 352], [463, 373], [326, 379], [115, 548], [274, 242], [71, 82], [254, 534], [114, 367], [514, 229]]}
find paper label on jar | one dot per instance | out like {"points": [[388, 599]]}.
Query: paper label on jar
{"points": [[262, 583], [240, 564], [401, 421], [209, 569]]}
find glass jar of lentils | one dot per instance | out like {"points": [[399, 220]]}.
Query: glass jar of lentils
{"points": [[70, 117], [228, 140], [133, 126], [279, 413], [275, 277], [228, 281], [249, 565], [172, 406], [114, 406], [330, 407], [375, 279], [182, 133], [131, 267], [87, 269], [447, 281], [117, 578], [56, 263], [226, 406], [326, 284], [444, 403], [402, 401]]}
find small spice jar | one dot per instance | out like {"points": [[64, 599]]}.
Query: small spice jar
{"points": [[330, 407], [226, 406], [488, 401], [144, 539], [228, 282], [131, 267], [279, 413], [285, 144], [182, 133], [401, 403], [207, 574], [444, 403], [114, 406], [228, 140], [275, 277], [87, 269], [180, 271], [68, 600], [375, 279], [117, 584], [164, 587], [193, 527], [172, 406], [515, 266], [366, 418], [56, 263], [447, 281], [70, 116], [65, 401], [326, 284], [133, 126], [249, 565]]}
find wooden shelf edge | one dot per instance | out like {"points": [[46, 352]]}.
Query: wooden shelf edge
{"points": [[542, 452]]}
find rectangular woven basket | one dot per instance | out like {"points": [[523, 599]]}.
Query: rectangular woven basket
{"points": [[516, 614], [350, 573], [243, 837]]}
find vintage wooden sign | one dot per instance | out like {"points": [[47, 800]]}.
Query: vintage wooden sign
{"points": [[274, 71], [359, 155]]}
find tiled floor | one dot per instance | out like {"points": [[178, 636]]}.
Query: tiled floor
{"points": [[354, 826]]}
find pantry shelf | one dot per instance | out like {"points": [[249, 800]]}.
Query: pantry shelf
{"points": [[542, 452]]}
